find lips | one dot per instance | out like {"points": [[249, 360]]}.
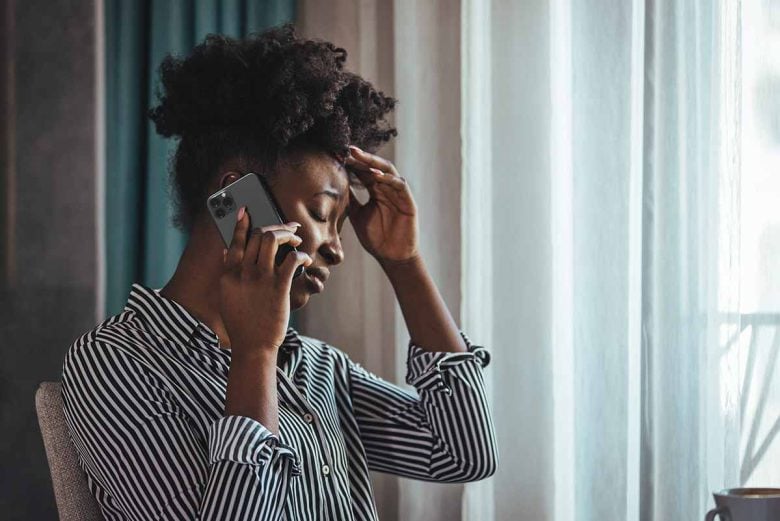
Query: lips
{"points": [[315, 283], [316, 279]]}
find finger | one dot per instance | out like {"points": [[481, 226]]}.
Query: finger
{"points": [[393, 189], [252, 247], [369, 175], [292, 226], [392, 197], [256, 237], [371, 180], [238, 242], [352, 161], [373, 160], [396, 182], [379, 177], [291, 263], [373, 177], [269, 246], [363, 172]]}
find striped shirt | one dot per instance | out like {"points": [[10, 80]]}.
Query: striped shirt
{"points": [[144, 401]]}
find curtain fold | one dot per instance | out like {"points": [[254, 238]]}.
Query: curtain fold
{"points": [[687, 169], [141, 243], [628, 386]]}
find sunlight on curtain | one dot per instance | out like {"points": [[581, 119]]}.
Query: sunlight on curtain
{"points": [[630, 236], [759, 340], [506, 240], [690, 259], [477, 311]]}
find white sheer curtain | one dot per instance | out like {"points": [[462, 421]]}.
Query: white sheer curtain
{"points": [[602, 243]]}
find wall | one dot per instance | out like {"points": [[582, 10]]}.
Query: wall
{"points": [[47, 289]]}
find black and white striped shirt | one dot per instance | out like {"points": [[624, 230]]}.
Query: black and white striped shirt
{"points": [[144, 400]]}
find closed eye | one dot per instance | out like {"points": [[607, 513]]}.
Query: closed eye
{"points": [[318, 218]]}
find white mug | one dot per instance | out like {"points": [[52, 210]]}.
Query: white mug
{"points": [[746, 504]]}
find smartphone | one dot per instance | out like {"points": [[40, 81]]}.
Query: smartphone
{"points": [[250, 190]]}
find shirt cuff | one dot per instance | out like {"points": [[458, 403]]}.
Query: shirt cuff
{"points": [[244, 440], [426, 369]]}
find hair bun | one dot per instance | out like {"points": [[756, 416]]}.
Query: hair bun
{"points": [[255, 97]]}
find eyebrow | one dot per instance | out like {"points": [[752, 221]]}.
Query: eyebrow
{"points": [[334, 195], [331, 193]]}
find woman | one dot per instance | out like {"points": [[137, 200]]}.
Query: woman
{"points": [[197, 400]]}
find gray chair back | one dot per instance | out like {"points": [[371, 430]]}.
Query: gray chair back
{"points": [[74, 500]]}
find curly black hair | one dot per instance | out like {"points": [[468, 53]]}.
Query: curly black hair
{"points": [[256, 99]]}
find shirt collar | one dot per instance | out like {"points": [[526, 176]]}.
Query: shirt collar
{"points": [[171, 320]]}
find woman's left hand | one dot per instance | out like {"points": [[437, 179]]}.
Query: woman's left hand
{"points": [[386, 225]]}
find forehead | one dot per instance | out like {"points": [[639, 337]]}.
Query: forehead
{"points": [[310, 172]]}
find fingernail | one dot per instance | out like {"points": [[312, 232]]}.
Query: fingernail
{"points": [[293, 223], [353, 147], [240, 214]]}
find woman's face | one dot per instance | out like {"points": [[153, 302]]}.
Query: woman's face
{"points": [[312, 188]]}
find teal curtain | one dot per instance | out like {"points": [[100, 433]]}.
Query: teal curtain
{"points": [[141, 244]]}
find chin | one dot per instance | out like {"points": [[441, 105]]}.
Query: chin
{"points": [[300, 292], [298, 299]]}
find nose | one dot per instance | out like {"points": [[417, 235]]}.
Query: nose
{"points": [[332, 250]]}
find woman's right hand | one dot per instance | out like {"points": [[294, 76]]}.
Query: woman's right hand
{"points": [[254, 292]]}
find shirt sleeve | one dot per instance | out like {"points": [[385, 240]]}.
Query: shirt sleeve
{"points": [[135, 440], [443, 432]]}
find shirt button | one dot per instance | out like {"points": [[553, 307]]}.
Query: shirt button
{"points": [[308, 418], [325, 470]]}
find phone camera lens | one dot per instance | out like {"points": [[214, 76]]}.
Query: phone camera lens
{"points": [[220, 213], [214, 202], [228, 202]]}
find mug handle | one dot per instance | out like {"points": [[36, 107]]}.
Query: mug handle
{"points": [[718, 511]]}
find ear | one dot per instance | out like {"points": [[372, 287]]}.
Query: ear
{"points": [[228, 177]]}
